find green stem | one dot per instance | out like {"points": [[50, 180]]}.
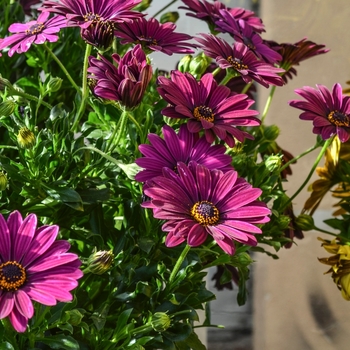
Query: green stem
{"points": [[268, 103], [85, 91], [320, 155], [246, 88], [30, 97], [216, 71], [179, 262], [76, 87], [123, 119], [164, 8], [299, 156], [230, 73]]}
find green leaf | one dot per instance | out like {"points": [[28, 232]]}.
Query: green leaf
{"points": [[60, 341], [192, 342], [6, 346], [66, 195]]}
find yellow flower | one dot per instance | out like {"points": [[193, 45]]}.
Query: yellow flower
{"points": [[340, 265]]}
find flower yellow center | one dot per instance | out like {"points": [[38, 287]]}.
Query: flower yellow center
{"points": [[92, 17], [204, 112], [236, 63], [35, 29], [339, 119], [12, 276], [248, 42], [205, 213]]}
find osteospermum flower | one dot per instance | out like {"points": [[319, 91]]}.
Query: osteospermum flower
{"points": [[209, 106], [328, 110], [125, 83], [85, 12], [154, 36], [33, 32], [241, 59], [33, 267], [182, 147], [199, 201]]}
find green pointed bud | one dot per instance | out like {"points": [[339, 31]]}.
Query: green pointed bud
{"points": [[54, 84], [7, 108], [3, 181], [4, 83], [273, 163], [160, 321], [169, 17], [199, 64], [100, 261], [184, 64], [142, 6], [75, 317], [271, 132], [305, 222], [26, 138]]}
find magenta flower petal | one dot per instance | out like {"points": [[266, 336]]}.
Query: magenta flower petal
{"points": [[18, 321], [5, 242], [203, 207], [7, 301], [23, 304]]}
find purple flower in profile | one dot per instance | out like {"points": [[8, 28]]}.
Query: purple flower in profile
{"points": [[33, 32], [329, 110], [127, 82], [85, 12], [27, 4], [248, 17], [209, 106], [199, 201], [241, 31], [154, 36], [33, 267], [182, 147], [241, 59]]}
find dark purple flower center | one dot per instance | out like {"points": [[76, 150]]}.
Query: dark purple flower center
{"points": [[149, 40], [339, 119], [92, 17], [205, 213], [204, 112], [249, 43], [35, 29], [12, 276], [236, 63]]}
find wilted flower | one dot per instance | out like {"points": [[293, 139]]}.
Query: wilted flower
{"points": [[329, 110], [27, 4], [293, 230], [33, 266], [154, 36], [209, 106], [125, 83], [241, 59], [26, 138], [182, 147], [340, 265], [83, 13], [196, 201], [33, 32]]}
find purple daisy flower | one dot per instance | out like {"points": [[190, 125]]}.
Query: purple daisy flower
{"points": [[241, 31], [329, 110], [36, 32], [182, 147], [127, 82], [208, 106], [33, 266], [84, 12], [154, 36], [248, 17], [241, 59], [199, 201]]}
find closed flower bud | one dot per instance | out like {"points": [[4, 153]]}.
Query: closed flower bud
{"points": [[169, 17], [271, 132], [75, 317], [305, 222], [100, 261], [54, 84], [273, 163], [4, 83], [184, 64], [7, 107], [160, 321], [26, 138], [3, 181], [143, 5], [199, 64]]}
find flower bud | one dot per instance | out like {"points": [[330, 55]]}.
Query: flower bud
{"points": [[184, 64], [273, 163], [4, 83], [100, 261], [305, 222], [271, 132], [160, 321], [3, 181], [7, 108], [26, 138], [143, 5], [169, 17], [75, 317], [199, 64], [54, 84]]}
